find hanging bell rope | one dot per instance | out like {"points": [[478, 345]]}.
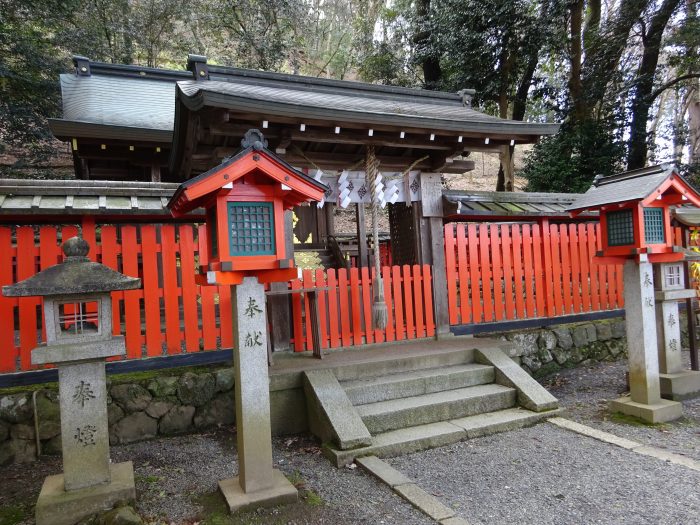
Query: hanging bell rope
{"points": [[379, 307]]}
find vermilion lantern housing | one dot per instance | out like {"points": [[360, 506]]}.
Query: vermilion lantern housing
{"points": [[635, 215], [245, 198]]}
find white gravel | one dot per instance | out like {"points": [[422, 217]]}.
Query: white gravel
{"points": [[546, 475]]}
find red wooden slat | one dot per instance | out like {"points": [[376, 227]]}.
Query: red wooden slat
{"points": [[528, 271], [451, 268], [485, 271], [564, 248], [418, 301], [225, 317], [207, 294], [398, 302], [548, 271], [575, 268], [496, 272], [367, 300], [508, 270], [428, 297], [389, 332], [297, 317], [518, 275], [343, 301], [463, 265], [355, 299], [49, 255], [474, 275], [584, 260], [333, 315], [68, 232], [537, 254], [593, 268], [408, 301], [8, 350], [28, 321], [110, 257], [88, 233], [308, 282], [322, 309], [132, 306], [620, 286], [189, 288], [169, 249], [556, 288], [151, 290]]}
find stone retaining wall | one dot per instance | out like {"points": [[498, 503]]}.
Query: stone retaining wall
{"points": [[543, 351], [137, 410]]}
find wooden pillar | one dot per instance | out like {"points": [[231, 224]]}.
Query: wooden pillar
{"points": [[329, 210], [155, 173], [432, 247], [279, 304], [362, 252]]}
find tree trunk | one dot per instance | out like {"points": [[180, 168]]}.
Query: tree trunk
{"points": [[603, 51], [641, 103], [576, 58], [432, 73]]}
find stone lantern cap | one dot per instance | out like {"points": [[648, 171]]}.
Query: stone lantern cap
{"points": [[75, 275]]}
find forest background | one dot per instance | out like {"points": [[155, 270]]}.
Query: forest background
{"points": [[621, 76]]}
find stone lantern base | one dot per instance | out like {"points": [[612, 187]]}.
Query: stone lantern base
{"points": [[681, 385], [56, 506], [659, 412], [281, 492]]}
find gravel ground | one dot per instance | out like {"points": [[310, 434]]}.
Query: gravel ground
{"points": [[542, 475], [585, 391], [545, 475], [176, 482]]}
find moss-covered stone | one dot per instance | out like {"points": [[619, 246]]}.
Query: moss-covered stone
{"points": [[131, 397], [546, 369], [163, 386], [196, 390]]}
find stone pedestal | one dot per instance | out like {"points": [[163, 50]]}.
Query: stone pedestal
{"points": [[676, 382], [89, 483], [257, 483], [57, 506], [644, 400]]}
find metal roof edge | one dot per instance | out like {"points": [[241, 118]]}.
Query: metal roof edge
{"points": [[67, 129], [210, 98]]}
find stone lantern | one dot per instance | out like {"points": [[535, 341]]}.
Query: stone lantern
{"points": [[78, 319], [245, 198], [636, 231]]}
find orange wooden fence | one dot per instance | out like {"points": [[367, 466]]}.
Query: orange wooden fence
{"points": [[502, 272], [171, 314]]}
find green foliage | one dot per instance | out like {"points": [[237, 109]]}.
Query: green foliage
{"points": [[12, 514], [569, 160]]}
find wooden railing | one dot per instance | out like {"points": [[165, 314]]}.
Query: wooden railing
{"points": [[171, 314], [502, 272]]}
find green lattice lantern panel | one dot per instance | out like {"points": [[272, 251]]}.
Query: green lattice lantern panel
{"points": [[620, 228], [251, 228], [654, 226]]}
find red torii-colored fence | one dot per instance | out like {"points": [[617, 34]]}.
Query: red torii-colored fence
{"points": [[171, 314]]}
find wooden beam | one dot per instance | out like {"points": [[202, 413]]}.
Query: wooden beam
{"points": [[346, 136]]}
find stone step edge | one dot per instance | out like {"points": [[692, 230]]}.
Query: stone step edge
{"points": [[451, 409], [417, 382], [422, 373], [410, 491], [391, 406], [520, 418]]}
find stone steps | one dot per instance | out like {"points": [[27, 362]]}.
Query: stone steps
{"points": [[393, 414], [417, 382], [437, 434]]}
